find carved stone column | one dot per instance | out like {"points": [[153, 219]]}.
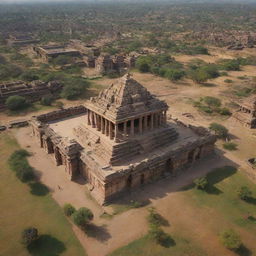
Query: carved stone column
{"points": [[116, 132], [111, 131], [93, 119], [98, 122], [88, 117], [107, 127], [145, 123], [125, 128], [132, 127], [140, 124], [102, 125], [152, 122]]}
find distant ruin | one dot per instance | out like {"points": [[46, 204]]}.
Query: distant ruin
{"points": [[32, 91], [246, 114], [21, 40], [120, 140]]}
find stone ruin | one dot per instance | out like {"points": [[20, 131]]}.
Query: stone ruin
{"points": [[120, 140], [21, 40], [246, 114], [32, 91]]}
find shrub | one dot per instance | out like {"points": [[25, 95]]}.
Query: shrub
{"points": [[59, 104], [230, 146], [30, 75], [46, 100], [230, 65], [20, 165], [174, 74], [219, 130], [154, 218], [244, 193], [201, 183], [228, 81], [230, 239], [82, 216], [158, 235], [29, 235], [68, 209], [224, 111], [16, 102], [62, 60], [212, 101]]}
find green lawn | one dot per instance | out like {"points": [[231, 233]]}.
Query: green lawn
{"points": [[23, 206], [146, 247], [227, 211]]}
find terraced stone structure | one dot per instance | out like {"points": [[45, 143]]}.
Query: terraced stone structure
{"points": [[120, 140], [246, 113]]}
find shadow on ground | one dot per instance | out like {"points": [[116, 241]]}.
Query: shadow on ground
{"points": [[243, 251], [98, 232], [46, 245]]}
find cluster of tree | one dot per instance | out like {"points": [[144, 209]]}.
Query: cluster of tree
{"points": [[19, 164], [16, 102], [162, 65], [211, 105], [80, 217]]}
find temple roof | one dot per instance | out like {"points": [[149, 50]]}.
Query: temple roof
{"points": [[125, 99]]}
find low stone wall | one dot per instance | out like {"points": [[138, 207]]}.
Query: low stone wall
{"points": [[62, 113]]}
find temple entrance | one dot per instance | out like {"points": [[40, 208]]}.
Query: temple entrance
{"points": [[191, 156], [129, 181], [169, 166], [58, 156], [142, 179], [198, 153]]}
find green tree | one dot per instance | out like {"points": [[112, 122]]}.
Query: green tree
{"points": [[82, 217], [219, 130], [201, 183], [230, 239], [16, 102], [174, 74], [244, 193], [68, 209], [29, 235]]}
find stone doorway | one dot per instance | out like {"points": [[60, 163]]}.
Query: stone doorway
{"points": [[58, 156], [129, 182], [142, 179], [191, 156], [169, 166]]}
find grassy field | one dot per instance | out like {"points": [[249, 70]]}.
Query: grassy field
{"points": [[227, 211], [23, 206]]}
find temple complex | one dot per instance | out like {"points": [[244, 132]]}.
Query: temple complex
{"points": [[246, 113], [120, 140]]}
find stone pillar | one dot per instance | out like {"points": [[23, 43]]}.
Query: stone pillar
{"points": [[57, 156], [145, 123], [152, 122], [93, 119], [132, 127], [165, 116], [106, 127], [116, 132], [102, 125], [140, 125], [98, 122], [125, 128], [111, 131], [88, 117]]}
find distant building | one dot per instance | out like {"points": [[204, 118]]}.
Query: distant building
{"points": [[21, 40]]}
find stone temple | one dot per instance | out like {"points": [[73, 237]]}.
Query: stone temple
{"points": [[120, 140]]}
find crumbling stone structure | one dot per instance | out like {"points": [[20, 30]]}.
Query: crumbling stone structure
{"points": [[246, 113], [120, 140], [21, 40], [49, 52], [33, 91]]}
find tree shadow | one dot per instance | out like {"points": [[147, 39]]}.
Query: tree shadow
{"points": [[167, 242], [251, 200], [244, 251], [46, 245], [98, 232], [208, 85], [38, 189], [212, 190]]}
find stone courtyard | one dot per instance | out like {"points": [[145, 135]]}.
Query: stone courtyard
{"points": [[120, 140]]}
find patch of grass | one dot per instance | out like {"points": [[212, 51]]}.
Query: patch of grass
{"points": [[230, 146], [23, 209], [120, 208], [145, 246]]}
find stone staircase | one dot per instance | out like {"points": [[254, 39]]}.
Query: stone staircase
{"points": [[158, 139]]}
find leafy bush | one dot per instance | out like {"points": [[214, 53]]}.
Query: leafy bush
{"points": [[212, 101], [29, 235], [229, 65], [68, 209], [202, 73], [30, 75], [16, 102], [46, 100], [201, 183], [174, 74], [62, 60], [19, 164], [158, 235], [219, 130], [230, 239], [223, 111], [244, 193], [9, 71], [82, 216], [230, 146]]}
